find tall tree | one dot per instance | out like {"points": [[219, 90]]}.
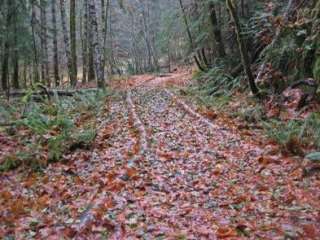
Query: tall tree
{"points": [[84, 40], [34, 21], [44, 44], [73, 38], [216, 30], [96, 44], [71, 72], [242, 47], [15, 57], [55, 44], [6, 47]]}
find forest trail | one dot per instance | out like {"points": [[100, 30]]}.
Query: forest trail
{"points": [[160, 170]]}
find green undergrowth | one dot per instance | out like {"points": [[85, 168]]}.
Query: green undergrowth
{"points": [[45, 130], [293, 136], [213, 88]]}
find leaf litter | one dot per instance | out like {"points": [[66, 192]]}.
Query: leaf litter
{"points": [[197, 178]]}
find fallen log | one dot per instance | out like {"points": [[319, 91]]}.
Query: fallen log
{"points": [[50, 92]]}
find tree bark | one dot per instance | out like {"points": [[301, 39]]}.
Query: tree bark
{"points": [[6, 50], [15, 78], [96, 45], [105, 31], [216, 30], [73, 38], [242, 47], [44, 44], [55, 44], [71, 72], [84, 41], [192, 45], [36, 76]]}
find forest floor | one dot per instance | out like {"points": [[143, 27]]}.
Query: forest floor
{"points": [[161, 169]]}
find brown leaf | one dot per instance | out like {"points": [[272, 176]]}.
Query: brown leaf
{"points": [[226, 232]]}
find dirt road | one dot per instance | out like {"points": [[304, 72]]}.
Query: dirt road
{"points": [[160, 170]]}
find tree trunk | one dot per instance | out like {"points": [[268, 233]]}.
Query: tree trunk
{"points": [[217, 30], [192, 45], [72, 75], [185, 19], [55, 44], [73, 38], [6, 50], [105, 32], [44, 44], [96, 44], [15, 78], [5, 66], [84, 40], [242, 48], [36, 77], [91, 73], [25, 75]]}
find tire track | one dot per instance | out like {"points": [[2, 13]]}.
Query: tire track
{"points": [[122, 143], [181, 156], [138, 124]]}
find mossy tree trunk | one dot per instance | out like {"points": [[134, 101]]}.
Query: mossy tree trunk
{"points": [[216, 30], [242, 47], [316, 32]]}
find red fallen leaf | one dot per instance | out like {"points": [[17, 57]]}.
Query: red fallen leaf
{"points": [[262, 187], [116, 186], [30, 181], [247, 133], [5, 195], [109, 204], [297, 174], [241, 199], [107, 132], [18, 207], [139, 193], [42, 202], [310, 231], [226, 232], [69, 232], [218, 169], [165, 155], [289, 197], [136, 148], [131, 172], [45, 179], [78, 180], [264, 160], [210, 114], [111, 176]]}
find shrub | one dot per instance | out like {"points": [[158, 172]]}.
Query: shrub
{"points": [[50, 128], [294, 134]]}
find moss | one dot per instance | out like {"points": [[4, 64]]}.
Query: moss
{"points": [[316, 69]]}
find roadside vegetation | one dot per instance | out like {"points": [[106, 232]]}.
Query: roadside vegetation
{"points": [[42, 130]]}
